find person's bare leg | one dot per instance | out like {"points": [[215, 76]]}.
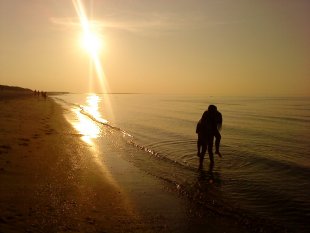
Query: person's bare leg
{"points": [[210, 149], [217, 143], [202, 155], [198, 148]]}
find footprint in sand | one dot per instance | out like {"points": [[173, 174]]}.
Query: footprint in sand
{"points": [[23, 144], [90, 220], [23, 141], [49, 131], [4, 149], [35, 136]]}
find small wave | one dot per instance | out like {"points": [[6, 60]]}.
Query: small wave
{"points": [[171, 142], [62, 102], [158, 155], [285, 167], [102, 121], [286, 119], [86, 112]]}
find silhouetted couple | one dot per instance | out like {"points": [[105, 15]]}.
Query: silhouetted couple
{"points": [[207, 129]]}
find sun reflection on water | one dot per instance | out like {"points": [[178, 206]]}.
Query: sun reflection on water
{"points": [[88, 119], [92, 108]]}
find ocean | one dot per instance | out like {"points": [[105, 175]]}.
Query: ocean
{"points": [[264, 171]]}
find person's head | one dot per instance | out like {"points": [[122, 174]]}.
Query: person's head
{"points": [[212, 108]]}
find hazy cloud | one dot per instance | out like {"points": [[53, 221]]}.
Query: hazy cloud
{"points": [[143, 23]]}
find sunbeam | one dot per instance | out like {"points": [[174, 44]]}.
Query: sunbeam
{"points": [[92, 42]]}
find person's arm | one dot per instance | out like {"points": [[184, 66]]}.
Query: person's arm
{"points": [[198, 127], [204, 115], [220, 121]]}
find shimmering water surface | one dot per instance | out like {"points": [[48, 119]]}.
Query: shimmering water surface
{"points": [[265, 169]]}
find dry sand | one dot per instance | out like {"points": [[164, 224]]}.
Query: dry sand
{"points": [[51, 181]]}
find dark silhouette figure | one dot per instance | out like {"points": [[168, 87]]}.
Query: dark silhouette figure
{"points": [[201, 141], [40, 93], [207, 129]]}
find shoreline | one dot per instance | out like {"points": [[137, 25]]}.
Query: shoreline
{"points": [[52, 181]]}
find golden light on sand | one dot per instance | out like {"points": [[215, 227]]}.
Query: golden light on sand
{"points": [[86, 127]]}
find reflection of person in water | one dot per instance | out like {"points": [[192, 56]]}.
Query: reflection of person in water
{"points": [[207, 128]]}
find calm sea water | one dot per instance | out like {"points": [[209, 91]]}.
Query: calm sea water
{"points": [[265, 169]]}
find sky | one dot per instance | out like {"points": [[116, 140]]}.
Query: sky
{"points": [[212, 47]]}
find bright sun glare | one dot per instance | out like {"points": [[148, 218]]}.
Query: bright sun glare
{"points": [[92, 43], [91, 40]]}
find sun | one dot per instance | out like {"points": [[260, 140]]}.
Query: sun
{"points": [[92, 43], [91, 39]]}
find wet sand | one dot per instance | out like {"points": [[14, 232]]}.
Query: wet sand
{"points": [[52, 181]]}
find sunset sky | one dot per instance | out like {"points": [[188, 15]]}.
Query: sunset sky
{"points": [[213, 47]]}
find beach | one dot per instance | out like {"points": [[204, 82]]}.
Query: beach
{"points": [[52, 181]]}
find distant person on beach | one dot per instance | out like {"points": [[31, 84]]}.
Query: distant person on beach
{"points": [[208, 127]]}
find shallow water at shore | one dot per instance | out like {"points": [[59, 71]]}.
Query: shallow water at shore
{"points": [[265, 166]]}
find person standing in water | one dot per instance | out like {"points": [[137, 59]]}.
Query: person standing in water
{"points": [[208, 128]]}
